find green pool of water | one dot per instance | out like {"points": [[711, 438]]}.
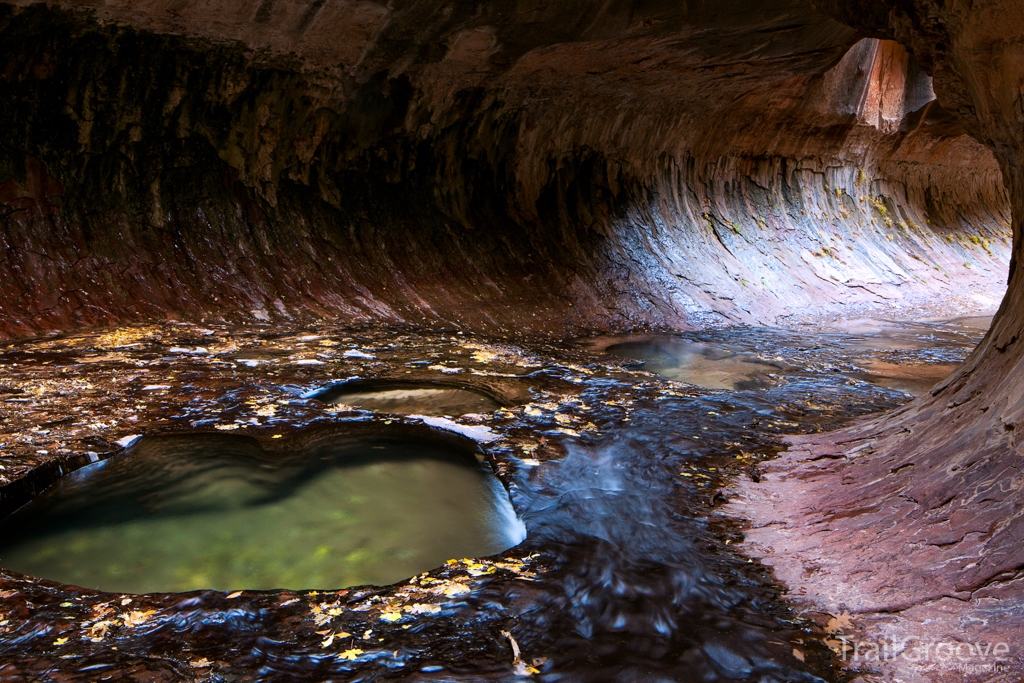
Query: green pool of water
{"points": [[184, 513]]}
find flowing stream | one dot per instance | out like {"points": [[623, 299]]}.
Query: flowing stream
{"points": [[637, 577]]}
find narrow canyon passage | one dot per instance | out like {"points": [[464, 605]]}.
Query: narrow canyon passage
{"points": [[633, 341]]}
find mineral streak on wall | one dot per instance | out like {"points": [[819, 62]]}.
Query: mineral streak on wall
{"points": [[506, 167]]}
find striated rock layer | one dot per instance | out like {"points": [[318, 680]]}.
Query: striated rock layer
{"points": [[914, 522], [505, 169]]}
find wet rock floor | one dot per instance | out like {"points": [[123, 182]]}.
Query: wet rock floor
{"points": [[628, 572]]}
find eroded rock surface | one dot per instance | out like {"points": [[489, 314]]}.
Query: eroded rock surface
{"points": [[913, 521], [539, 170]]}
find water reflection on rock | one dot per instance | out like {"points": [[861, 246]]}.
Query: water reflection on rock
{"points": [[908, 357], [409, 399]]}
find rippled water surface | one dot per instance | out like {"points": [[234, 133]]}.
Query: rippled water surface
{"points": [[183, 513]]}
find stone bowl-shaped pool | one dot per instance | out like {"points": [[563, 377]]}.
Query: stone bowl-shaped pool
{"points": [[321, 510], [409, 398]]}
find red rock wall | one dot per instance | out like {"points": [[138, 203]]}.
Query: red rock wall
{"points": [[602, 171], [913, 521]]}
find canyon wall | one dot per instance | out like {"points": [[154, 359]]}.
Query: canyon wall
{"points": [[913, 521], [504, 169]]}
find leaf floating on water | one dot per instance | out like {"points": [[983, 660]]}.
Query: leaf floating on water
{"points": [[391, 616], [60, 641], [350, 655]]}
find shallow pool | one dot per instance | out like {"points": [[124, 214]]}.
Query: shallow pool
{"points": [[184, 513], [410, 399]]}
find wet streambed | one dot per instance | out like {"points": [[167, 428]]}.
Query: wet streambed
{"points": [[628, 572]]}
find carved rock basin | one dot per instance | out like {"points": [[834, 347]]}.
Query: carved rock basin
{"points": [[214, 511]]}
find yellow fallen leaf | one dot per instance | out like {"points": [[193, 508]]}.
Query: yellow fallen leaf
{"points": [[422, 608], [350, 655], [98, 631], [200, 663], [65, 604], [391, 616], [456, 589], [60, 641], [234, 595], [798, 654]]}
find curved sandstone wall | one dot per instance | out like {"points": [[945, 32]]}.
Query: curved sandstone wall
{"points": [[659, 170], [522, 167], [913, 521]]}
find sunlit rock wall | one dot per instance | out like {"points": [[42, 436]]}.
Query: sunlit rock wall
{"points": [[548, 169], [913, 521]]}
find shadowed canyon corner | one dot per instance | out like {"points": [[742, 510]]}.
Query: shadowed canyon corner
{"points": [[509, 340]]}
